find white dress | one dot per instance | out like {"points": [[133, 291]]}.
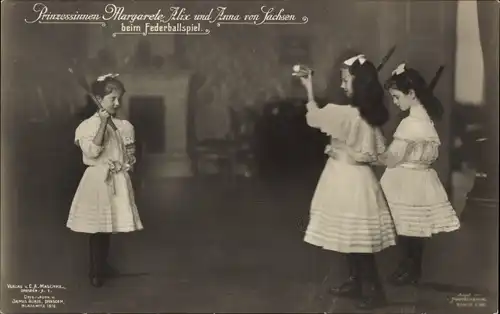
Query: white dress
{"points": [[349, 213], [104, 200], [417, 199]]}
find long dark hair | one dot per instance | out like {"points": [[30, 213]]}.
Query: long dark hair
{"points": [[334, 94], [409, 80], [368, 93]]}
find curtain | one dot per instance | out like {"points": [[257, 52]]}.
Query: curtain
{"points": [[485, 188], [469, 66], [488, 13]]}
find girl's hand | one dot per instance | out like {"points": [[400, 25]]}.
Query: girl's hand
{"points": [[307, 81], [103, 115], [378, 163], [332, 154], [330, 151], [328, 148]]}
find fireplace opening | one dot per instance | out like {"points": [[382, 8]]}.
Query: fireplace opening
{"points": [[147, 114]]}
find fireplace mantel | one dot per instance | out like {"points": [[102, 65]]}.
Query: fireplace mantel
{"points": [[173, 89]]}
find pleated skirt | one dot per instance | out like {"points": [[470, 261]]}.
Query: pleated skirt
{"points": [[95, 209], [349, 213], [418, 202]]}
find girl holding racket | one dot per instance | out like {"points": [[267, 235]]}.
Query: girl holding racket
{"points": [[104, 201]]}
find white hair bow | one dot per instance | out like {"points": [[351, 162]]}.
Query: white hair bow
{"points": [[400, 69], [361, 58], [103, 77]]}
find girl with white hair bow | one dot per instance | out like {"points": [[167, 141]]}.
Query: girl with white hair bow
{"points": [[417, 199], [104, 201], [348, 212]]}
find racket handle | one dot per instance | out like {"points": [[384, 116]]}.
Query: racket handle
{"points": [[110, 122]]}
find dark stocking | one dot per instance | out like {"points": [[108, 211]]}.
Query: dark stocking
{"points": [[412, 270], [104, 241], [417, 251], [404, 243], [373, 295], [95, 254], [352, 286]]}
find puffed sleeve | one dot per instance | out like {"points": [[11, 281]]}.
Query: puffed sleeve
{"points": [[128, 133], [128, 136], [327, 119], [84, 136], [414, 141], [364, 143], [343, 123]]}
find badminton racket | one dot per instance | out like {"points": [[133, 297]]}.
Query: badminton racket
{"points": [[386, 58], [436, 77], [84, 84]]}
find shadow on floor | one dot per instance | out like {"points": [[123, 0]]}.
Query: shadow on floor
{"points": [[226, 246]]}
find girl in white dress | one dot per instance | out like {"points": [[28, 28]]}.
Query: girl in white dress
{"points": [[349, 213], [104, 201], [417, 199]]}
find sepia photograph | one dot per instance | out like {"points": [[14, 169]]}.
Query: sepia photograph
{"points": [[249, 156]]}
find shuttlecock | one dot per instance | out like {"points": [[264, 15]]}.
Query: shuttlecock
{"points": [[301, 70]]}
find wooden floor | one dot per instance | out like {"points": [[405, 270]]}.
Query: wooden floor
{"points": [[230, 246]]}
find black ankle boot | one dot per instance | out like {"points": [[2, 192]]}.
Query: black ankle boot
{"points": [[352, 287], [349, 289], [402, 268], [96, 281], [373, 295], [413, 272], [95, 262], [408, 277], [406, 274]]}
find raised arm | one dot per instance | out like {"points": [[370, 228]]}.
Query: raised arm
{"points": [[314, 116], [99, 137], [307, 82]]}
